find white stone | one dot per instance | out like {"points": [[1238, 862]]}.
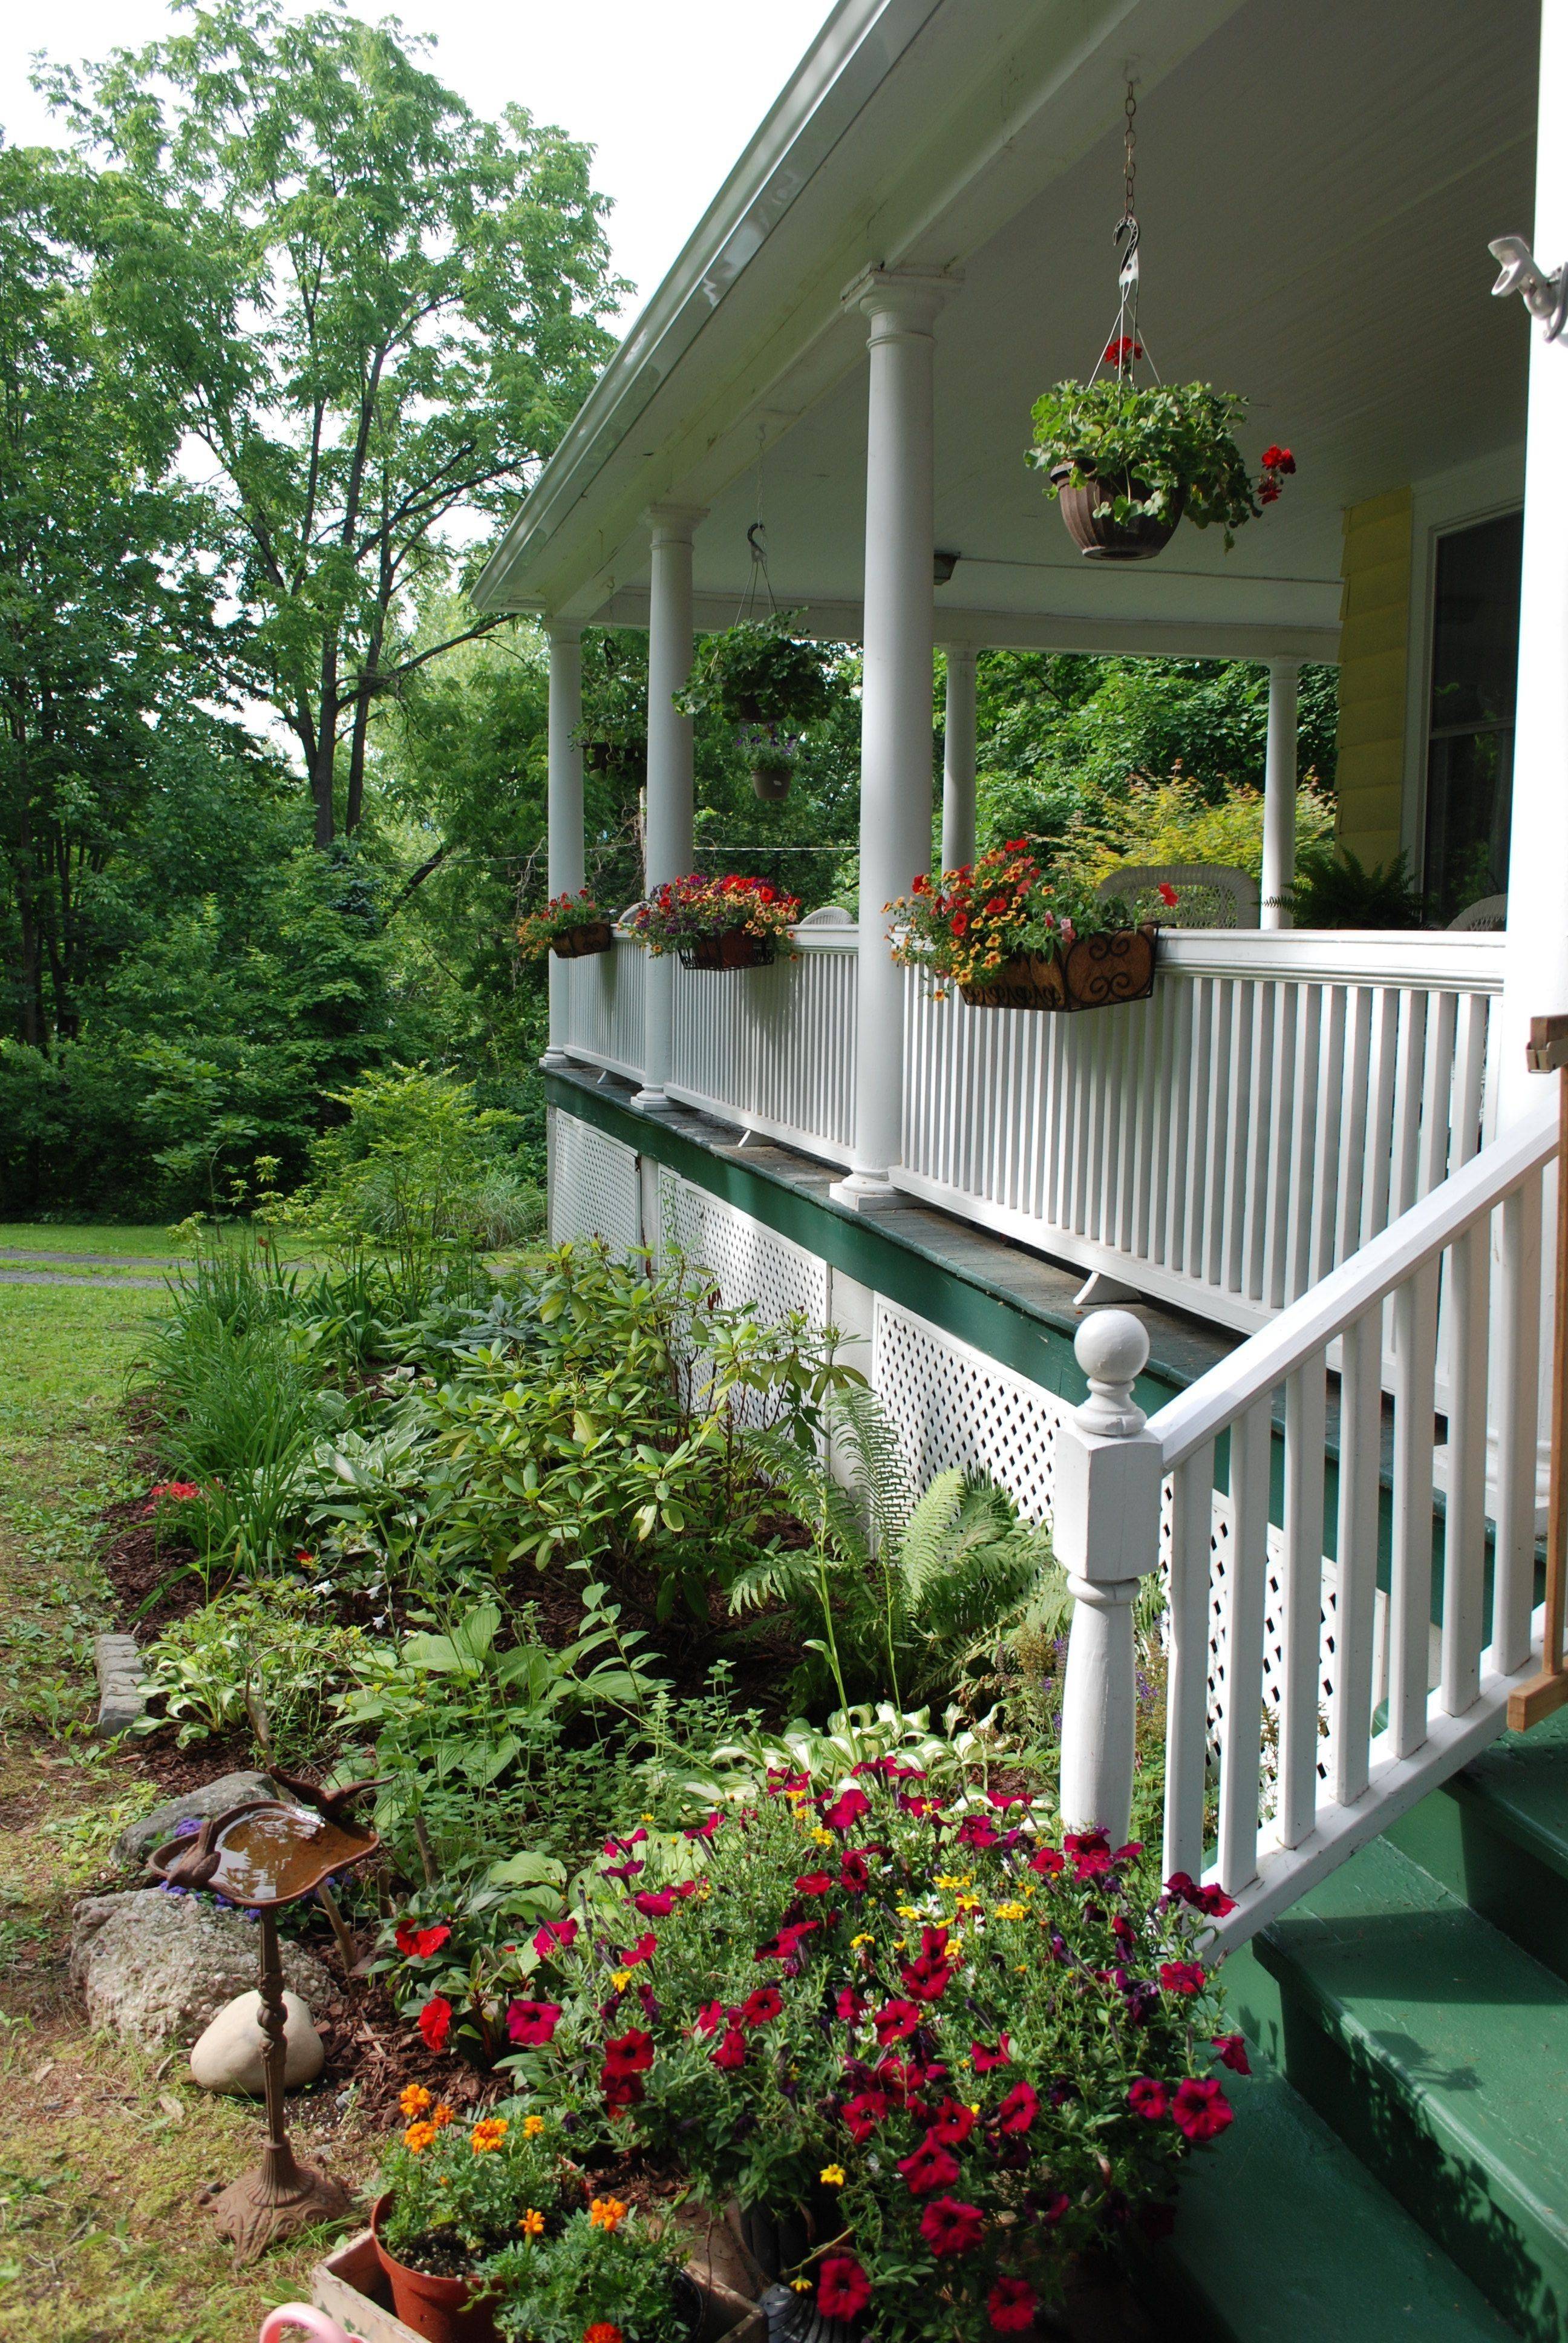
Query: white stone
{"points": [[228, 2055]]}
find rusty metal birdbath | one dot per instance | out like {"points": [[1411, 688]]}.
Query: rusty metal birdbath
{"points": [[262, 1855]]}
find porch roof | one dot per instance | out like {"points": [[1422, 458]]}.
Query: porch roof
{"points": [[1316, 185]]}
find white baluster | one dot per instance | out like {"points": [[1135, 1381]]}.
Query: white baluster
{"points": [[1106, 1533]]}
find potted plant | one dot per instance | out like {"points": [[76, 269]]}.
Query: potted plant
{"points": [[771, 680], [1012, 935], [1128, 461], [570, 926], [729, 923], [940, 2049], [453, 2193], [607, 2274]]}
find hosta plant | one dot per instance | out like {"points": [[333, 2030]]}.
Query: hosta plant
{"points": [[962, 2048], [1155, 449], [963, 928]]}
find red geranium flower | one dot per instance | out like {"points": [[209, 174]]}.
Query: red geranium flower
{"points": [[732, 2051], [436, 2021], [1149, 2100], [418, 1943], [951, 2228], [1168, 895], [1278, 459], [1183, 1976], [843, 2289], [1119, 350], [896, 2021], [847, 1810], [1012, 2305], [1019, 2108], [863, 2113], [532, 2024], [1231, 2051], [1200, 2110], [1269, 493], [929, 2165], [759, 2008], [814, 1882], [986, 2059]]}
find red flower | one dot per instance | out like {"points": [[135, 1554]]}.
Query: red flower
{"points": [[976, 1830], [1088, 1852], [555, 1933], [847, 1810], [1278, 459], [706, 1829], [1119, 350], [949, 2227], [708, 2017], [1269, 493], [1149, 2100], [1183, 1976], [986, 2059], [1012, 2305], [629, 2054], [1051, 2211], [1168, 895], [436, 2021], [1231, 2051], [854, 1871], [1019, 2108], [931, 2166], [1047, 1859], [814, 1882], [1212, 1900], [843, 2289], [183, 1490], [418, 1943], [953, 2123], [1002, 1800], [850, 2005], [788, 1941], [621, 2090], [532, 2024], [1200, 2110], [960, 921], [732, 2051], [759, 2008], [896, 2021], [643, 1950], [863, 2113], [654, 1903]]}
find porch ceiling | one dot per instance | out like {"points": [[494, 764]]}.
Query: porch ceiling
{"points": [[1317, 183]]}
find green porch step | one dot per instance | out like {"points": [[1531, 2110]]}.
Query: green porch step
{"points": [[1438, 2050], [1282, 2236], [1497, 1835]]}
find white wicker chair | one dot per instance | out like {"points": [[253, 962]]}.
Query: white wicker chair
{"points": [[1487, 916], [1210, 894], [831, 915]]}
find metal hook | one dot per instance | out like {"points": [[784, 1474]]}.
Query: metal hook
{"points": [[758, 552]]}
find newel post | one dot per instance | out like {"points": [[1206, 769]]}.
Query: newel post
{"points": [[1105, 1529]]}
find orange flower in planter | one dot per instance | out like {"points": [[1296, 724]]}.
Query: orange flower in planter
{"points": [[606, 2213], [417, 2138], [602, 2331], [488, 2133]]}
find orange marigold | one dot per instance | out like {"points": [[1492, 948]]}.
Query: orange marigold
{"points": [[532, 2127], [606, 2213], [532, 2223], [441, 2114], [487, 2134], [417, 2138], [602, 2331], [413, 2100]]}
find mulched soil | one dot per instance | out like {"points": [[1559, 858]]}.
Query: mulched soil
{"points": [[149, 1571]]}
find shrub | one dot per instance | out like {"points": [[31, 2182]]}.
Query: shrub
{"points": [[269, 1659], [963, 2053]]}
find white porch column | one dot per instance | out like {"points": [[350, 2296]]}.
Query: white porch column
{"points": [[669, 785], [898, 637], [959, 758], [1535, 956], [564, 805], [1280, 795]]}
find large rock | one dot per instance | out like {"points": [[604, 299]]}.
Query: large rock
{"points": [[228, 2055], [134, 1845], [156, 1968]]}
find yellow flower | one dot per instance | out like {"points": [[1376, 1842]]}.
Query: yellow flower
{"points": [[1012, 1911], [620, 1979], [488, 2133], [417, 2138], [969, 1904], [532, 2223], [606, 2213], [801, 2285], [413, 2100], [647, 1818], [905, 1911], [532, 2127], [831, 2176], [945, 1879], [856, 1941], [822, 1837]]}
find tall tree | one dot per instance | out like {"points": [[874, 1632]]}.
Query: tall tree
{"points": [[375, 311]]}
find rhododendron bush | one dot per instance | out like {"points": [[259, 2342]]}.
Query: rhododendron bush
{"points": [[963, 2048]]}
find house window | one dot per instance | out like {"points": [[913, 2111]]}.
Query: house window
{"points": [[1470, 722]]}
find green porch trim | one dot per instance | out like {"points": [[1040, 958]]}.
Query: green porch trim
{"points": [[1035, 1343]]}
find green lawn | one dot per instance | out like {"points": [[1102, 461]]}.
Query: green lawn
{"points": [[138, 1243]]}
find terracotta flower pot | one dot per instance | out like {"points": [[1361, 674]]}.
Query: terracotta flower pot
{"points": [[736, 948], [443, 2309], [1094, 972], [1097, 536], [579, 943]]}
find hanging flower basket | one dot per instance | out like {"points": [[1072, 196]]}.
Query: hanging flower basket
{"points": [[736, 948], [1012, 935], [582, 943], [1128, 461], [1089, 512], [1092, 972], [771, 680], [717, 923], [570, 926]]}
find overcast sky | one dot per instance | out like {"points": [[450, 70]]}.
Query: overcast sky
{"points": [[669, 91]]}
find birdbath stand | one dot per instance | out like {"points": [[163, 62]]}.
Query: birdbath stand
{"points": [[262, 1855]]}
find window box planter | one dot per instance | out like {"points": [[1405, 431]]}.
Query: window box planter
{"points": [[1098, 534], [581, 943], [737, 949], [1094, 972]]}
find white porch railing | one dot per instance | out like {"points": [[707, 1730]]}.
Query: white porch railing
{"points": [[604, 1017], [1290, 1800]]}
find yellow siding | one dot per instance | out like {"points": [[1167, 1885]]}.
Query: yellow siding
{"points": [[1374, 627]]}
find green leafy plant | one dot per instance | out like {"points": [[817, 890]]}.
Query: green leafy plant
{"points": [[270, 1663], [1154, 451], [764, 672], [957, 2051], [685, 912], [610, 2272], [1335, 890]]}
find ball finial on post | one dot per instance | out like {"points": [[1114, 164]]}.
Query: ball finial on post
{"points": [[1111, 1346]]}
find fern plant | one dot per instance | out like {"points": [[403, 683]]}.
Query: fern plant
{"points": [[901, 1585]]}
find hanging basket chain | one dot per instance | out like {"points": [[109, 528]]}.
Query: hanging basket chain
{"points": [[1124, 344], [758, 582]]}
